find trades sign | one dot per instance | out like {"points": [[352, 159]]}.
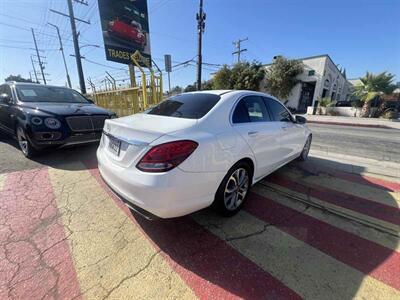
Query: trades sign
{"points": [[125, 27]]}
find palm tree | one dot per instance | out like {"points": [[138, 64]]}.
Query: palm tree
{"points": [[371, 87]]}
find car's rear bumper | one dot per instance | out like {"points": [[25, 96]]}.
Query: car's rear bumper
{"points": [[166, 195]]}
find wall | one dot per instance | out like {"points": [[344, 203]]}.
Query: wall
{"points": [[337, 111], [324, 69]]}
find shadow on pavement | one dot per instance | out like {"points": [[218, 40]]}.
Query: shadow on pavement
{"points": [[328, 252], [58, 158]]}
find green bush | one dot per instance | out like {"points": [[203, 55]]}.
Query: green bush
{"points": [[324, 102]]}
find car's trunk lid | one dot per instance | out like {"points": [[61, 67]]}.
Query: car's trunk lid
{"points": [[126, 139]]}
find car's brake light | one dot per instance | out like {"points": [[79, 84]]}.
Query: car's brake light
{"points": [[165, 157]]}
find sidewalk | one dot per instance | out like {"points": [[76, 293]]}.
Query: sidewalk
{"points": [[352, 121]]}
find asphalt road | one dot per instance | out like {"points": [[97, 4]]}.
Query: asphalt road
{"points": [[12, 159], [374, 143]]}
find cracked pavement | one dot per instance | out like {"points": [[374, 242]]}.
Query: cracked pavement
{"points": [[64, 235]]}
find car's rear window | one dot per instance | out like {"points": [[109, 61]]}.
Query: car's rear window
{"points": [[188, 106]]}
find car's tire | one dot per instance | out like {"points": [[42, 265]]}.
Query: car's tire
{"points": [[306, 149], [233, 190], [24, 144]]}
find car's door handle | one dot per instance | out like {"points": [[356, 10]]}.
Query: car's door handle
{"points": [[252, 133]]}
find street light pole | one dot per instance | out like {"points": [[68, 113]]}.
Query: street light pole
{"points": [[63, 56], [38, 57], [34, 70]]}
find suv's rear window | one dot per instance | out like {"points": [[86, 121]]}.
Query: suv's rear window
{"points": [[189, 106]]}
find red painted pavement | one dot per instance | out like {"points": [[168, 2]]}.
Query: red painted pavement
{"points": [[366, 256], [210, 267], [364, 206], [35, 260]]}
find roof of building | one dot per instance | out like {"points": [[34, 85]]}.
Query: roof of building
{"points": [[313, 57], [307, 57]]}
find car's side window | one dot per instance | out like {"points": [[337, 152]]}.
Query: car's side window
{"points": [[250, 109], [278, 111]]}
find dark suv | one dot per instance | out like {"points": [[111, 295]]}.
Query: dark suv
{"points": [[41, 116]]}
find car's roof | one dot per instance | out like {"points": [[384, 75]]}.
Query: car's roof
{"points": [[215, 92], [234, 92]]}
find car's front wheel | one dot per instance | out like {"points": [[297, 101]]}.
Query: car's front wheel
{"points": [[233, 190], [23, 142]]}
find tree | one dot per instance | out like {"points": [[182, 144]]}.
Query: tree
{"points": [[281, 77], [17, 78], [222, 78], [371, 87], [176, 90], [207, 85], [190, 88], [241, 76]]}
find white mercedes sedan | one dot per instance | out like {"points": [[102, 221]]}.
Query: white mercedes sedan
{"points": [[199, 149]]}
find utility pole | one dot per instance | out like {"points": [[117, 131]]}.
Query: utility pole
{"points": [[76, 46], [75, 40], [34, 70], [238, 45], [62, 52], [201, 17], [38, 57]]}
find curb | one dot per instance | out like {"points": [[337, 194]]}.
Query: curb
{"points": [[351, 124]]}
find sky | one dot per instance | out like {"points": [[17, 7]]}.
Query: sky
{"points": [[359, 35]]}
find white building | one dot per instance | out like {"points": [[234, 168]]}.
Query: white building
{"points": [[321, 78]]}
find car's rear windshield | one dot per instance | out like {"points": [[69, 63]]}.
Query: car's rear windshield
{"points": [[188, 106], [39, 93]]}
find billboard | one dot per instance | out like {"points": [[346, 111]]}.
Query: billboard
{"points": [[125, 27]]}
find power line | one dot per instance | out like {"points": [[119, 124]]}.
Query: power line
{"points": [[100, 64], [78, 57]]}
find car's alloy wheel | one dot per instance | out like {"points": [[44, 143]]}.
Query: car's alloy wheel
{"points": [[24, 144], [236, 189], [304, 154], [233, 190]]}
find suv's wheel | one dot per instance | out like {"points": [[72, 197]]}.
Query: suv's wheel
{"points": [[304, 154], [233, 189], [26, 147]]}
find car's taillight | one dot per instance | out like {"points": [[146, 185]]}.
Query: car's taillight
{"points": [[165, 157]]}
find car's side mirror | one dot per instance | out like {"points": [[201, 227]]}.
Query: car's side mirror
{"points": [[300, 120], [4, 98]]}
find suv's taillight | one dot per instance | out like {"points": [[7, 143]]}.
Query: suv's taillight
{"points": [[165, 157]]}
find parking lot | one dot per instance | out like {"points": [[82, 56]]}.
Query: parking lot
{"points": [[323, 229]]}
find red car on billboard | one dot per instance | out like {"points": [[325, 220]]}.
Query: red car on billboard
{"points": [[127, 30]]}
